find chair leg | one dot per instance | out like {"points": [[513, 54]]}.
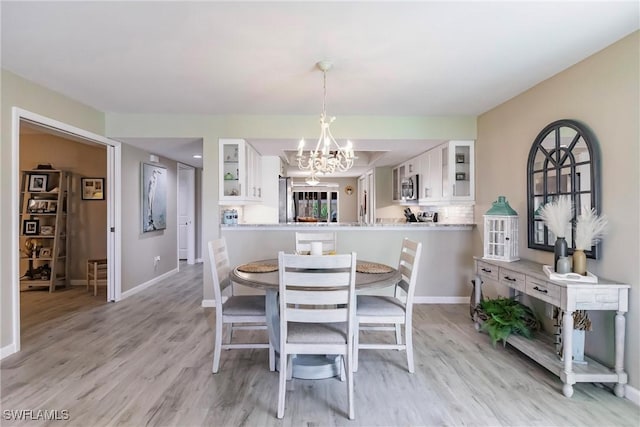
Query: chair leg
{"points": [[282, 383], [95, 279], [217, 347], [408, 330], [272, 358], [230, 333], [398, 334], [289, 367], [348, 361], [356, 343]]}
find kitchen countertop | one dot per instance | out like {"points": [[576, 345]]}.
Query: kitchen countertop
{"points": [[426, 226]]}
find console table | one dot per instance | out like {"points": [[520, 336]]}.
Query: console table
{"points": [[527, 277]]}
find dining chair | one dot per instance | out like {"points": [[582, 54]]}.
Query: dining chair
{"points": [[386, 310], [240, 312], [303, 242], [317, 298]]}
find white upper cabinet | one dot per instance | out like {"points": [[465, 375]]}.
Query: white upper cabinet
{"points": [[430, 166], [460, 171], [240, 172]]}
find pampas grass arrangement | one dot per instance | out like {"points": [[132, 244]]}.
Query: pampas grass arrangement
{"points": [[557, 215], [590, 228]]}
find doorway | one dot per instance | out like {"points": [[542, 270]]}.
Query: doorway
{"points": [[112, 191]]}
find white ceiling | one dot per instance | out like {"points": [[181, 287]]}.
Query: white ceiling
{"points": [[390, 58]]}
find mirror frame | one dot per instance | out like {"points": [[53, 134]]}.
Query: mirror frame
{"points": [[584, 133]]}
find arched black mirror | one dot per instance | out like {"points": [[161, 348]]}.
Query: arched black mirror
{"points": [[564, 160]]}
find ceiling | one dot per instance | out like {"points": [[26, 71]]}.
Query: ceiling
{"points": [[220, 58]]}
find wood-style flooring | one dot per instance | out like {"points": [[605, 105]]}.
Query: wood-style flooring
{"points": [[147, 361]]}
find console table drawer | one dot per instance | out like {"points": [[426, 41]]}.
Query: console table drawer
{"points": [[487, 270], [513, 279], [545, 291]]}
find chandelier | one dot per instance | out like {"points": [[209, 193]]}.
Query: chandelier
{"points": [[328, 156]]}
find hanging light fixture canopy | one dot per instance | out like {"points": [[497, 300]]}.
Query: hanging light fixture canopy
{"points": [[328, 156]]}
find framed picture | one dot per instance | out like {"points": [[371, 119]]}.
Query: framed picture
{"points": [[52, 206], [38, 182], [45, 253], [46, 230], [92, 188], [460, 176], [459, 158], [154, 197], [30, 227]]}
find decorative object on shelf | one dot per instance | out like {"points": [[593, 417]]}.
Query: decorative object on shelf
{"points": [[38, 182], [557, 216], [581, 324], [328, 156], [44, 166], [460, 176], [92, 188], [52, 206], [45, 253], [228, 176], [502, 317], [154, 197], [459, 158], [563, 266], [570, 276], [46, 230], [31, 227], [590, 227], [501, 232]]}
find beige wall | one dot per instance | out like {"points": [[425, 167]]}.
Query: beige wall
{"points": [[87, 218], [603, 92]]}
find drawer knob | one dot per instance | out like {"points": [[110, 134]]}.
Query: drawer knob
{"points": [[511, 279], [544, 291]]}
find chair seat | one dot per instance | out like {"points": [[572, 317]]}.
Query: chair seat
{"points": [[320, 333], [374, 305], [244, 305]]}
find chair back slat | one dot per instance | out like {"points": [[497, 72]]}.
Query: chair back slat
{"points": [[315, 315], [304, 279], [303, 241], [220, 268], [408, 268], [318, 298]]}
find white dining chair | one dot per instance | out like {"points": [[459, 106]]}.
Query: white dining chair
{"points": [[390, 313], [240, 312], [303, 242], [317, 297]]}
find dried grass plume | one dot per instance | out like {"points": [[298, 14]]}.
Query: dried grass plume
{"points": [[557, 215], [590, 228]]}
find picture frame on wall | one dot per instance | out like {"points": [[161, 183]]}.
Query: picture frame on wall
{"points": [[154, 197], [31, 227], [38, 182], [92, 188]]}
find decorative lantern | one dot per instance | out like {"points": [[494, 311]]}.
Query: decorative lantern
{"points": [[501, 232]]}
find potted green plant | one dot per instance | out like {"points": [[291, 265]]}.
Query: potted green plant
{"points": [[505, 316]]}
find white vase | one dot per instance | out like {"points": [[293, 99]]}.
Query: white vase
{"points": [[577, 346]]}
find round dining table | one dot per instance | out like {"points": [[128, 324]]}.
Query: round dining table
{"points": [[307, 366]]}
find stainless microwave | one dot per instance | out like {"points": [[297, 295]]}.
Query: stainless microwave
{"points": [[409, 188]]}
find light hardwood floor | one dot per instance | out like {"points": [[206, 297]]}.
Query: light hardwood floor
{"points": [[147, 361]]}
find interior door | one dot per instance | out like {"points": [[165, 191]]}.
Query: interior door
{"points": [[185, 214]]}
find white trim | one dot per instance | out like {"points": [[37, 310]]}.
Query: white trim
{"points": [[441, 300], [191, 211], [113, 202], [7, 350], [632, 394], [141, 287], [83, 282], [199, 261]]}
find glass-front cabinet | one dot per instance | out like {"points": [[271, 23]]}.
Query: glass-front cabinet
{"points": [[458, 172], [240, 167]]}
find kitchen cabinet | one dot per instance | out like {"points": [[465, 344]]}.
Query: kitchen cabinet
{"points": [[458, 172], [406, 169], [430, 171], [240, 172], [366, 198]]}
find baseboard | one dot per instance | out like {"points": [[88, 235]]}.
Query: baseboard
{"points": [[83, 282], [440, 300], [632, 394], [7, 350], [141, 287], [199, 261]]}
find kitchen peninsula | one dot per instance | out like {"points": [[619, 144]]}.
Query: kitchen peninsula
{"points": [[445, 269]]}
